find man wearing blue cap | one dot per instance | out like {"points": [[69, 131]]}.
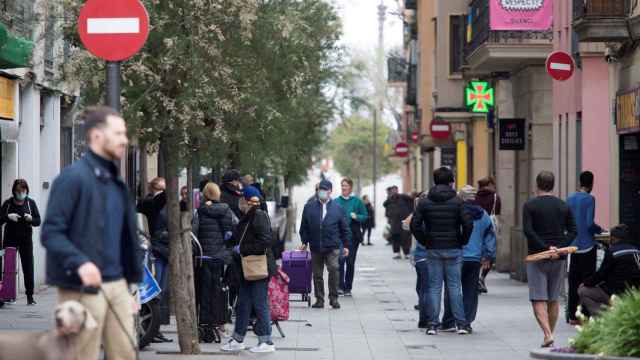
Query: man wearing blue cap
{"points": [[324, 228]]}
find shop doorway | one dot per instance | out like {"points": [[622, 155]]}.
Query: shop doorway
{"points": [[630, 181]]}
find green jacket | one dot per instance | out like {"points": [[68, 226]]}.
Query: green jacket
{"points": [[353, 205]]}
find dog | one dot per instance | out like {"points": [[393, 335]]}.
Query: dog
{"points": [[71, 318]]}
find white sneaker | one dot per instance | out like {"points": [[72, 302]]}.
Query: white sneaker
{"points": [[232, 346], [263, 348]]}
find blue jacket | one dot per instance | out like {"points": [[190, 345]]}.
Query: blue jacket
{"points": [[73, 228], [583, 207], [324, 235], [482, 243]]}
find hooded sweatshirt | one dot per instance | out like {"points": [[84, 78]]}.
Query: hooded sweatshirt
{"points": [[482, 243]]}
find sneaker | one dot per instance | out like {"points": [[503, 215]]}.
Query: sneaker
{"points": [[263, 348], [347, 294], [465, 330], [30, 301], [482, 287], [232, 346], [416, 307], [432, 330], [340, 292], [318, 305], [451, 328], [397, 257], [335, 304]]}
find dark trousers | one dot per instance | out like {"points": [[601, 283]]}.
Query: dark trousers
{"points": [[594, 299], [25, 250], [331, 260], [348, 267], [401, 240], [581, 267], [470, 277], [367, 233], [422, 279]]}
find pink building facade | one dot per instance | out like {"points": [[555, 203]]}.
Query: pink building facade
{"points": [[581, 117]]}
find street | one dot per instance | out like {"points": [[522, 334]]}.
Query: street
{"points": [[377, 323]]}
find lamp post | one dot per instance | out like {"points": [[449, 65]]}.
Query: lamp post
{"points": [[382, 10]]}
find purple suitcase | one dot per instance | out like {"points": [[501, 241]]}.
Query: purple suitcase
{"points": [[8, 283], [297, 265]]}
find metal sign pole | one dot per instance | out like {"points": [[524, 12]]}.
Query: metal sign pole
{"points": [[113, 85]]}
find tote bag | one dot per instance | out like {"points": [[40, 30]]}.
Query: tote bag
{"points": [[254, 267]]}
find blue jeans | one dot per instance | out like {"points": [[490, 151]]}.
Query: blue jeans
{"points": [[470, 277], [445, 266], [162, 273], [422, 277], [253, 295], [348, 267]]}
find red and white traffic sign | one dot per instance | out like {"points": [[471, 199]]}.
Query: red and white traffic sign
{"points": [[402, 149], [560, 65], [113, 30], [440, 129]]}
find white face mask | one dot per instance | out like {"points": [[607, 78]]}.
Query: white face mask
{"points": [[323, 195]]}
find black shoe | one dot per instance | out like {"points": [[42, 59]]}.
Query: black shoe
{"points": [[30, 301], [448, 328], [347, 294], [335, 304], [340, 292], [482, 287], [432, 330], [161, 338], [1, 304], [465, 330], [318, 305], [416, 307]]}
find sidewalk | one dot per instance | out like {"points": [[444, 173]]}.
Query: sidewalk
{"points": [[377, 323]]}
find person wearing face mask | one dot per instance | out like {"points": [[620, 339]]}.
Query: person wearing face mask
{"points": [[20, 214], [232, 191], [356, 216], [325, 229], [252, 237]]}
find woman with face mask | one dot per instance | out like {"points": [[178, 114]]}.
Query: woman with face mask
{"points": [[20, 214], [252, 237]]}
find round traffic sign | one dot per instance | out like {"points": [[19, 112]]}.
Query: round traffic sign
{"points": [[440, 129], [113, 30], [560, 65], [415, 137], [402, 149]]}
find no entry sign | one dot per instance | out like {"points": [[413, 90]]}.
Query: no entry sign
{"points": [[440, 129], [560, 65], [113, 30], [402, 149]]}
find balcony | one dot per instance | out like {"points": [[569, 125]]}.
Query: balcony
{"points": [[502, 51], [601, 20]]}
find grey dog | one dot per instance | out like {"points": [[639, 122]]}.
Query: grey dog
{"points": [[58, 344]]}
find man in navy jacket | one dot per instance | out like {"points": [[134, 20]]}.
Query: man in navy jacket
{"points": [[93, 252], [324, 228]]}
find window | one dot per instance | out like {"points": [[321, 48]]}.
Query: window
{"points": [[578, 148], [456, 43]]}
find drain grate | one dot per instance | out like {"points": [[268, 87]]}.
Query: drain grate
{"points": [[421, 347], [32, 316], [298, 349]]}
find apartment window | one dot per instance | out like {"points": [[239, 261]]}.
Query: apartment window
{"points": [[575, 48], [456, 43]]}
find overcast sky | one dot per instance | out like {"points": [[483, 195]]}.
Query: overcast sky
{"points": [[360, 21]]}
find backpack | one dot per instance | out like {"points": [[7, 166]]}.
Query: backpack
{"points": [[495, 222], [279, 296]]}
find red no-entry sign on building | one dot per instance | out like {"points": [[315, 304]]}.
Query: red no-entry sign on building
{"points": [[560, 65], [402, 149], [440, 129], [113, 30]]}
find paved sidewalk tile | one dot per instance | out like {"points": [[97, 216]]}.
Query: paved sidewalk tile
{"points": [[378, 322]]}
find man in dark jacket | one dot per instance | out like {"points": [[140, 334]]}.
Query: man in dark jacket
{"points": [[93, 252], [620, 270], [397, 208], [324, 228], [548, 224], [442, 226], [232, 191]]}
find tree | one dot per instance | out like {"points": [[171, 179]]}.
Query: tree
{"points": [[239, 83], [351, 150]]}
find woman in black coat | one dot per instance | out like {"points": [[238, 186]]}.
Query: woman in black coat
{"points": [[253, 237], [20, 214], [213, 225]]}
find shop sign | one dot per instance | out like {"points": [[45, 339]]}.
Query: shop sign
{"points": [[479, 97], [512, 134], [7, 93], [628, 111], [521, 14]]}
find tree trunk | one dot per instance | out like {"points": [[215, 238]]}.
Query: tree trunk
{"points": [[180, 261]]}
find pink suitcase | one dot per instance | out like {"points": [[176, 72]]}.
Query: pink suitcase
{"points": [[297, 265], [8, 283]]}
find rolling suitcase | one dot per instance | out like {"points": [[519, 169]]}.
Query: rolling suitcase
{"points": [[212, 299], [297, 265], [8, 283]]}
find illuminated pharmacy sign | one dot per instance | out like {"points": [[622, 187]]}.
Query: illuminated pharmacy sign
{"points": [[479, 96]]}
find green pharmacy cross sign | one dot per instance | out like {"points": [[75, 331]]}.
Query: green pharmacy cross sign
{"points": [[479, 96]]}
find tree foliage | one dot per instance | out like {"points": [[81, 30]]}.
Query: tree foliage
{"points": [[352, 149]]}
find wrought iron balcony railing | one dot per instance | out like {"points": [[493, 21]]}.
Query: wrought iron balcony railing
{"points": [[600, 9]]}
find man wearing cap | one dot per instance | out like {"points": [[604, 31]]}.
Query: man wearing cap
{"points": [[324, 228], [232, 191]]}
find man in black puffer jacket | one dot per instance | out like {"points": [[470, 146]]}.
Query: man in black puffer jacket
{"points": [[441, 225]]}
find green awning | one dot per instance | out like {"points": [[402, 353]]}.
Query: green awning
{"points": [[15, 52]]}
